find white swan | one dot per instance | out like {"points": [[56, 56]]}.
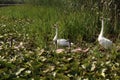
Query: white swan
{"points": [[61, 42], [106, 43]]}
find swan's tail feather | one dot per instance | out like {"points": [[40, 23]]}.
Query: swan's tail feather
{"points": [[71, 43]]}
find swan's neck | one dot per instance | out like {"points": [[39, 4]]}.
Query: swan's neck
{"points": [[56, 35], [101, 33]]}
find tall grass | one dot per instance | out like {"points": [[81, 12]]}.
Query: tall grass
{"points": [[37, 22]]}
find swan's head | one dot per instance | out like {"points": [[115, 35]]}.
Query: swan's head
{"points": [[103, 19], [55, 26]]}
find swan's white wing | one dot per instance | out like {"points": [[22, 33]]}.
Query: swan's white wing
{"points": [[62, 42], [106, 43]]}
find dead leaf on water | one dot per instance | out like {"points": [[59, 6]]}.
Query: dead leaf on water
{"points": [[60, 50], [86, 50], [77, 50]]}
